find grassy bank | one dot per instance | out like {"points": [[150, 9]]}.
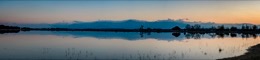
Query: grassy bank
{"points": [[252, 54]]}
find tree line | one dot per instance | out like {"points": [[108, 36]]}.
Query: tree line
{"points": [[9, 27], [198, 27]]}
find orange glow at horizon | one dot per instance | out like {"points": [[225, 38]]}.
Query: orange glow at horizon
{"points": [[204, 11]]}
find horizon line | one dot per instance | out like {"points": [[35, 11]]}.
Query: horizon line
{"points": [[121, 20]]}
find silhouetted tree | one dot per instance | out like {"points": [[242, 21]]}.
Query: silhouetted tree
{"points": [[25, 29], [176, 28], [233, 28], [149, 29], [188, 27], [213, 27], [221, 28], [243, 28], [247, 27], [8, 27], [142, 27], [254, 27], [197, 26]]}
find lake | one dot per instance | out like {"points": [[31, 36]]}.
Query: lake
{"points": [[123, 45]]}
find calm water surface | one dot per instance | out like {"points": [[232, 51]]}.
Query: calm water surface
{"points": [[121, 45]]}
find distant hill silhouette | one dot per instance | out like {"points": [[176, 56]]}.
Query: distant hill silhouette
{"points": [[127, 24]]}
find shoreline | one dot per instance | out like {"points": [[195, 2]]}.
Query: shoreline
{"points": [[252, 54]]}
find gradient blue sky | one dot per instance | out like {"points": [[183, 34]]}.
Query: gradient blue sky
{"points": [[59, 11]]}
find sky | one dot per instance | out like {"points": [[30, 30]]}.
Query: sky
{"points": [[66, 11]]}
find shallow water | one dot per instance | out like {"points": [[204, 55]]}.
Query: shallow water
{"points": [[122, 45]]}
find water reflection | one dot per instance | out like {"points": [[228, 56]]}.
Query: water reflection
{"points": [[9, 31], [143, 35], [110, 35], [124, 46], [218, 35]]}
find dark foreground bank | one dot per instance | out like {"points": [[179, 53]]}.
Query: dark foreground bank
{"points": [[252, 54]]}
